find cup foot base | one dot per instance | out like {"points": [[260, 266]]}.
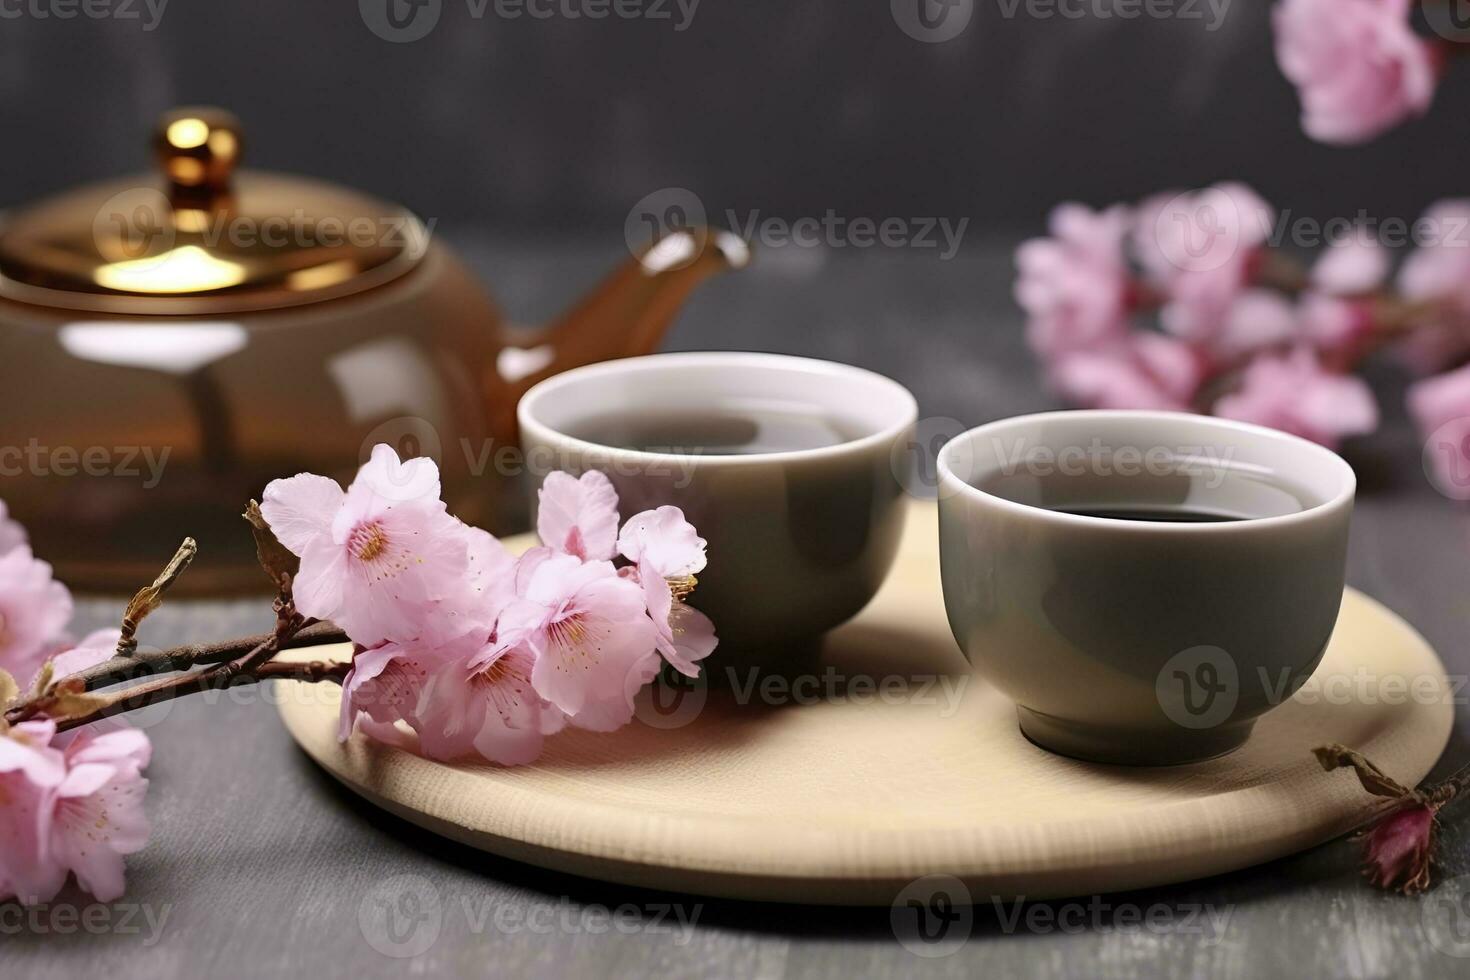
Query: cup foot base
{"points": [[1092, 743]]}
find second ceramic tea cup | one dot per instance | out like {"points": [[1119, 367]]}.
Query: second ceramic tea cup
{"points": [[1159, 632], [784, 464]]}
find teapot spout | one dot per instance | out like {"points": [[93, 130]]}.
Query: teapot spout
{"points": [[629, 312]]}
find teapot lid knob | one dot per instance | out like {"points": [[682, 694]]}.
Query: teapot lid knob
{"points": [[198, 147], [202, 236]]}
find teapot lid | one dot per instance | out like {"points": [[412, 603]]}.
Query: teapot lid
{"points": [[200, 238]]}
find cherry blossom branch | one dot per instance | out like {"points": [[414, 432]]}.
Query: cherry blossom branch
{"points": [[72, 702], [78, 710], [186, 657], [311, 672]]}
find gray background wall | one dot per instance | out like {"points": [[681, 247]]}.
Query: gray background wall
{"points": [[790, 108]]}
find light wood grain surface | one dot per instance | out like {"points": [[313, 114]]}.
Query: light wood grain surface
{"points": [[263, 863]]}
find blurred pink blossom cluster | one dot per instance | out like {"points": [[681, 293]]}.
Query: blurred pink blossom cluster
{"points": [[1358, 65], [70, 803], [472, 653], [1244, 331]]}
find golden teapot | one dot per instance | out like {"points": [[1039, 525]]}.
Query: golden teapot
{"points": [[170, 344]]}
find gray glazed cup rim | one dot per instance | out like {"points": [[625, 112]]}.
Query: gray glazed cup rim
{"points": [[902, 409], [1306, 455]]}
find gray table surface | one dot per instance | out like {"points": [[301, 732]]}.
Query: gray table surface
{"points": [[261, 865]]}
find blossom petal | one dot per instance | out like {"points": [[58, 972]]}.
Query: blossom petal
{"points": [[34, 610], [392, 479], [300, 509], [12, 535], [578, 516], [1296, 394], [96, 647], [667, 541]]}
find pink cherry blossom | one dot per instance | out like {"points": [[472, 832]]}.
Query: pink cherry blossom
{"points": [[1074, 285], [1432, 347], [12, 535], [1256, 320], [667, 552], [587, 628], [613, 710], [34, 610], [1437, 401], [684, 635], [578, 516], [1199, 250], [30, 772], [558, 636], [1338, 328], [95, 648], [1440, 407], [1351, 266], [1336, 314], [490, 585], [1357, 64], [1437, 275], [97, 814], [385, 683], [665, 540], [1294, 393], [377, 558], [1148, 371], [1439, 269], [485, 705]]}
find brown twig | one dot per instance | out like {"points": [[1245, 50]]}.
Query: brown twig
{"points": [[1451, 786], [73, 701], [313, 672], [180, 658], [247, 668]]}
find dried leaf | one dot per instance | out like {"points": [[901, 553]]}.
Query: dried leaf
{"points": [[9, 689], [1374, 780], [43, 678], [279, 564], [150, 597], [66, 706]]}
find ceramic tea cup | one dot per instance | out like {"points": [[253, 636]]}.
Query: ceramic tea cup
{"points": [[782, 463], [1143, 585]]}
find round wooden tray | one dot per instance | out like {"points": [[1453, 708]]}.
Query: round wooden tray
{"points": [[828, 792]]}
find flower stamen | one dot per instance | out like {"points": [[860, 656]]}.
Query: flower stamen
{"points": [[367, 542], [682, 586]]}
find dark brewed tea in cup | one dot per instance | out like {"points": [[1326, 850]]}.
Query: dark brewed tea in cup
{"points": [[717, 432]]}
